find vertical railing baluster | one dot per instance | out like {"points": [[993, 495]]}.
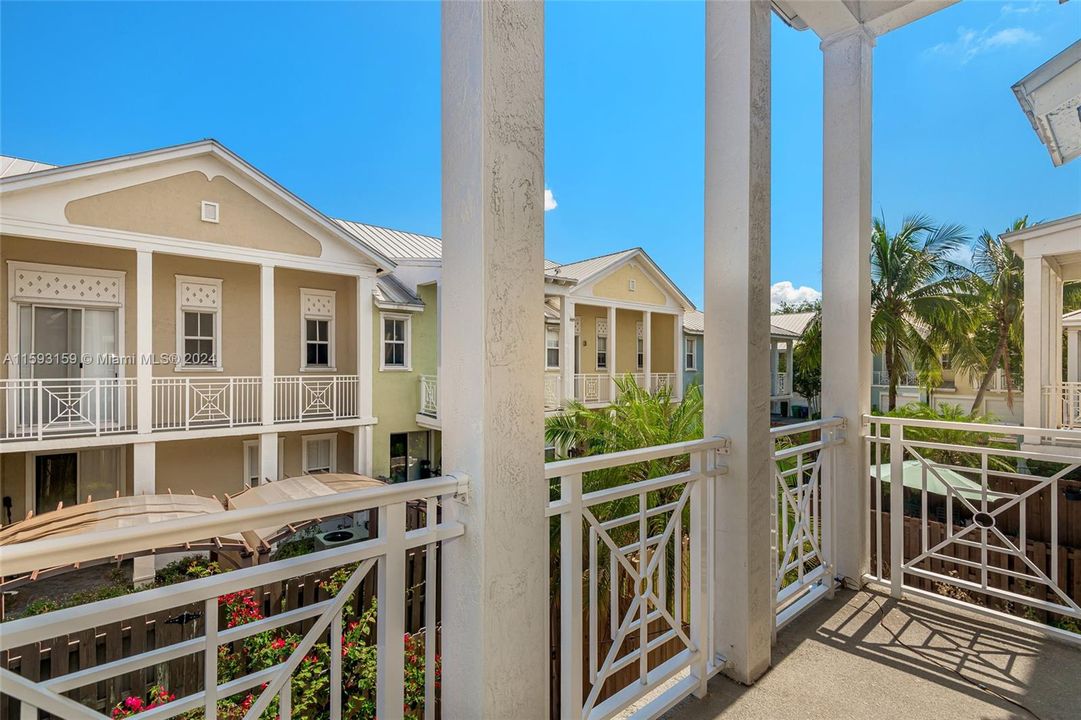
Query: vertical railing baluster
{"points": [[593, 605], [897, 510], [390, 672], [336, 667], [825, 478], [643, 608], [570, 597], [699, 541], [431, 593], [285, 700], [210, 659]]}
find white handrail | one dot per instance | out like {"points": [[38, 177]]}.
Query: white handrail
{"points": [[575, 466]]}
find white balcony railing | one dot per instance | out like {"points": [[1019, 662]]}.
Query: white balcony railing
{"points": [[1062, 406], [633, 570], [909, 378], [192, 403], [553, 391], [666, 381], [36, 409], [314, 637], [802, 517], [780, 385], [977, 519], [310, 398], [429, 395], [593, 388]]}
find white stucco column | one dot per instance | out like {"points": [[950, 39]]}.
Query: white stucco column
{"points": [[566, 346], [1073, 355], [736, 367], [144, 482], [790, 348], [266, 347], [647, 350], [362, 434], [144, 340], [613, 369], [495, 577], [1041, 285], [846, 282], [268, 457]]}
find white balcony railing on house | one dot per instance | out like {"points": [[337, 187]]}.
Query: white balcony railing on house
{"points": [[593, 388], [198, 605], [1062, 406], [780, 385], [977, 517], [553, 391], [909, 378], [192, 403], [636, 571], [666, 381], [802, 518], [429, 395], [37, 409], [310, 398]]}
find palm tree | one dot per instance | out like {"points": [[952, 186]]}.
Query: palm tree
{"points": [[997, 286], [915, 305], [807, 363]]}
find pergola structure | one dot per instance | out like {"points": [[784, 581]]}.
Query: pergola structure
{"points": [[493, 232]]}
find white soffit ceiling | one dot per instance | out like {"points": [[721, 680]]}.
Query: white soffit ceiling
{"points": [[1050, 96]]}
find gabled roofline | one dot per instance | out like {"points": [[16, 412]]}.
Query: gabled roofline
{"points": [[629, 254], [1040, 229], [209, 146]]}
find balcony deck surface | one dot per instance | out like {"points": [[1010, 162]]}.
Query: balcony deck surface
{"points": [[863, 655]]}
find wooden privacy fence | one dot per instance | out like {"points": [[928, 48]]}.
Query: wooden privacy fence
{"points": [[1038, 551], [182, 676]]}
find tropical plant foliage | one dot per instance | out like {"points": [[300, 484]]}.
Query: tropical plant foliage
{"points": [[807, 364], [915, 300]]}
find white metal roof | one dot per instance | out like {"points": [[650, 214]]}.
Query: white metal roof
{"points": [[11, 166], [396, 244], [390, 292], [694, 323], [794, 323]]}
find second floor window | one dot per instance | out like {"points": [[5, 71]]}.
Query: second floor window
{"points": [[602, 344], [317, 343], [395, 342], [198, 323], [551, 347], [317, 328], [199, 339], [691, 353], [947, 363], [640, 347]]}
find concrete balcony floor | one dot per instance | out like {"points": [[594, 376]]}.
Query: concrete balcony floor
{"points": [[863, 655]]}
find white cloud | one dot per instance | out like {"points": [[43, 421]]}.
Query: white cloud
{"points": [[549, 200], [785, 292], [970, 43]]}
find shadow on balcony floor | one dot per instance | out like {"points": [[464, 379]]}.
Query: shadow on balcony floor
{"points": [[863, 655]]}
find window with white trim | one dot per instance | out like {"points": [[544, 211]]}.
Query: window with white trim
{"points": [[198, 323], [551, 347], [602, 343], [320, 453], [690, 353], [396, 350], [317, 329], [253, 465]]}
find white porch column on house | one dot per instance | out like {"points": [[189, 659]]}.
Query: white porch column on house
{"points": [[736, 371], [613, 369], [144, 341], [846, 282], [1073, 355], [790, 351], [1041, 343], [566, 346], [647, 350], [495, 578], [268, 457], [266, 349], [677, 350], [362, 434], [144, 482]]}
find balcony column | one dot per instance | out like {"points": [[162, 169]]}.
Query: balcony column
{"points": [[647, 349], [266, 349], [736, 367], [613, 369], [1073, 355], [677, 349], [144, 482], [790, 348], [566, 346], [495, 576], [846, 283], [362, 433], [1041, 287], [144, 341]]}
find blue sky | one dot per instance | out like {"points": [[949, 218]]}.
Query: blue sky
{"points": [[340, 103]]}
